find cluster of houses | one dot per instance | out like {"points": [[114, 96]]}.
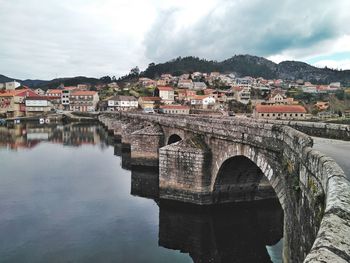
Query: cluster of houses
{"points": [[180, 94], [18, 101], [171, 95]]}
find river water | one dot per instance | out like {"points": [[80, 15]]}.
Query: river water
{"points": [[68, 194]]}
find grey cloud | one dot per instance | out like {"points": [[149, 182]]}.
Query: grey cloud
{"points": [[45, 39], [256, 27]]}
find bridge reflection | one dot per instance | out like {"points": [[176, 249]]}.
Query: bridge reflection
{"points": [[218, 233]]}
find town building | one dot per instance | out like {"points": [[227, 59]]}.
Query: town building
{"points": [[149, 102], [12, 102], [165, 93], [147, 82], [199, 86], [83, 100], [122, 103], [185, 83], [202, 101], [54, 92], [185, 94], [12, 85], [174, 109], [280, 112], [242, 94], [37, 105], [40, 92]]}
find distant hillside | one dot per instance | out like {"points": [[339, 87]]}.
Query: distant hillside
{"points": [[246, 65], [5, 79], [49, 84]]}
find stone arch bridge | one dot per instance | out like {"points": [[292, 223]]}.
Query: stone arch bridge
{"points": [[205, 161]]}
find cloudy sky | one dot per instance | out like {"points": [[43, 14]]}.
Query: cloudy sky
{"points": [[57, 38]]}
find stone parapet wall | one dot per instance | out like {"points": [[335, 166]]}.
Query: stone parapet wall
{"points": [[317, 129]]}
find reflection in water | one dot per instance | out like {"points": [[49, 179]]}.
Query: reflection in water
{"points": [[145, 182], [225, 233], [29, 135], [222, 234], [87, 214]]}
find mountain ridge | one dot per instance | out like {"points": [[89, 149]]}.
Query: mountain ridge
{"points": [[241, 65]]}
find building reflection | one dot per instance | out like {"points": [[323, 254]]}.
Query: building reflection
{"points": [[28, 135]]}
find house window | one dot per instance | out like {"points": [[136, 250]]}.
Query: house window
{"points": [[268, 115], [262, 114], [273, 115]]}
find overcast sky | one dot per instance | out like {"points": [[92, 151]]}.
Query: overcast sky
{"points": [[57, 38]]}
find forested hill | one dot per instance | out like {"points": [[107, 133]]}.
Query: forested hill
{"points": [[247, 65]]}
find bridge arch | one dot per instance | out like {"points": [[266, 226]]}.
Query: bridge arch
{"points": [[173, 138], [240, 179], [261, 173]]}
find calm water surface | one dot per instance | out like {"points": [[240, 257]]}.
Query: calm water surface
{"points": [[68, 195]]}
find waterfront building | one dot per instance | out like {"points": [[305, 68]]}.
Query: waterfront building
{"points": [[83, 100], [122, 103], [280, 112], [37, 105], [174, 109], [12, 102]]}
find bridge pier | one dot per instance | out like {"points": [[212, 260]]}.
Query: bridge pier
{"points": [[127, 128], [145, 144], [184, 174]]}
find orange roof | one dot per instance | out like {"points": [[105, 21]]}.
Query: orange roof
{"points": [[165, 88], [70, 88], [175, 107], [83, 93], [150, 98], [200, 97], [18, 92], [280, 108]]}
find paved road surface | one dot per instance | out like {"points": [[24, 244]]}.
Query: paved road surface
{"points": [[338, 150]]}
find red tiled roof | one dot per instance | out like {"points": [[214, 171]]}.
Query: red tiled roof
{"points": [[280, 108], [37, 98], [70, 88], [19, 92], [150, 98], [165, 88], [200, 97], [83, 93]]}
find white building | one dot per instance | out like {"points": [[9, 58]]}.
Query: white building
{"points": [[37, 105], [12, 85], [122, 103], [203, 101]]}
